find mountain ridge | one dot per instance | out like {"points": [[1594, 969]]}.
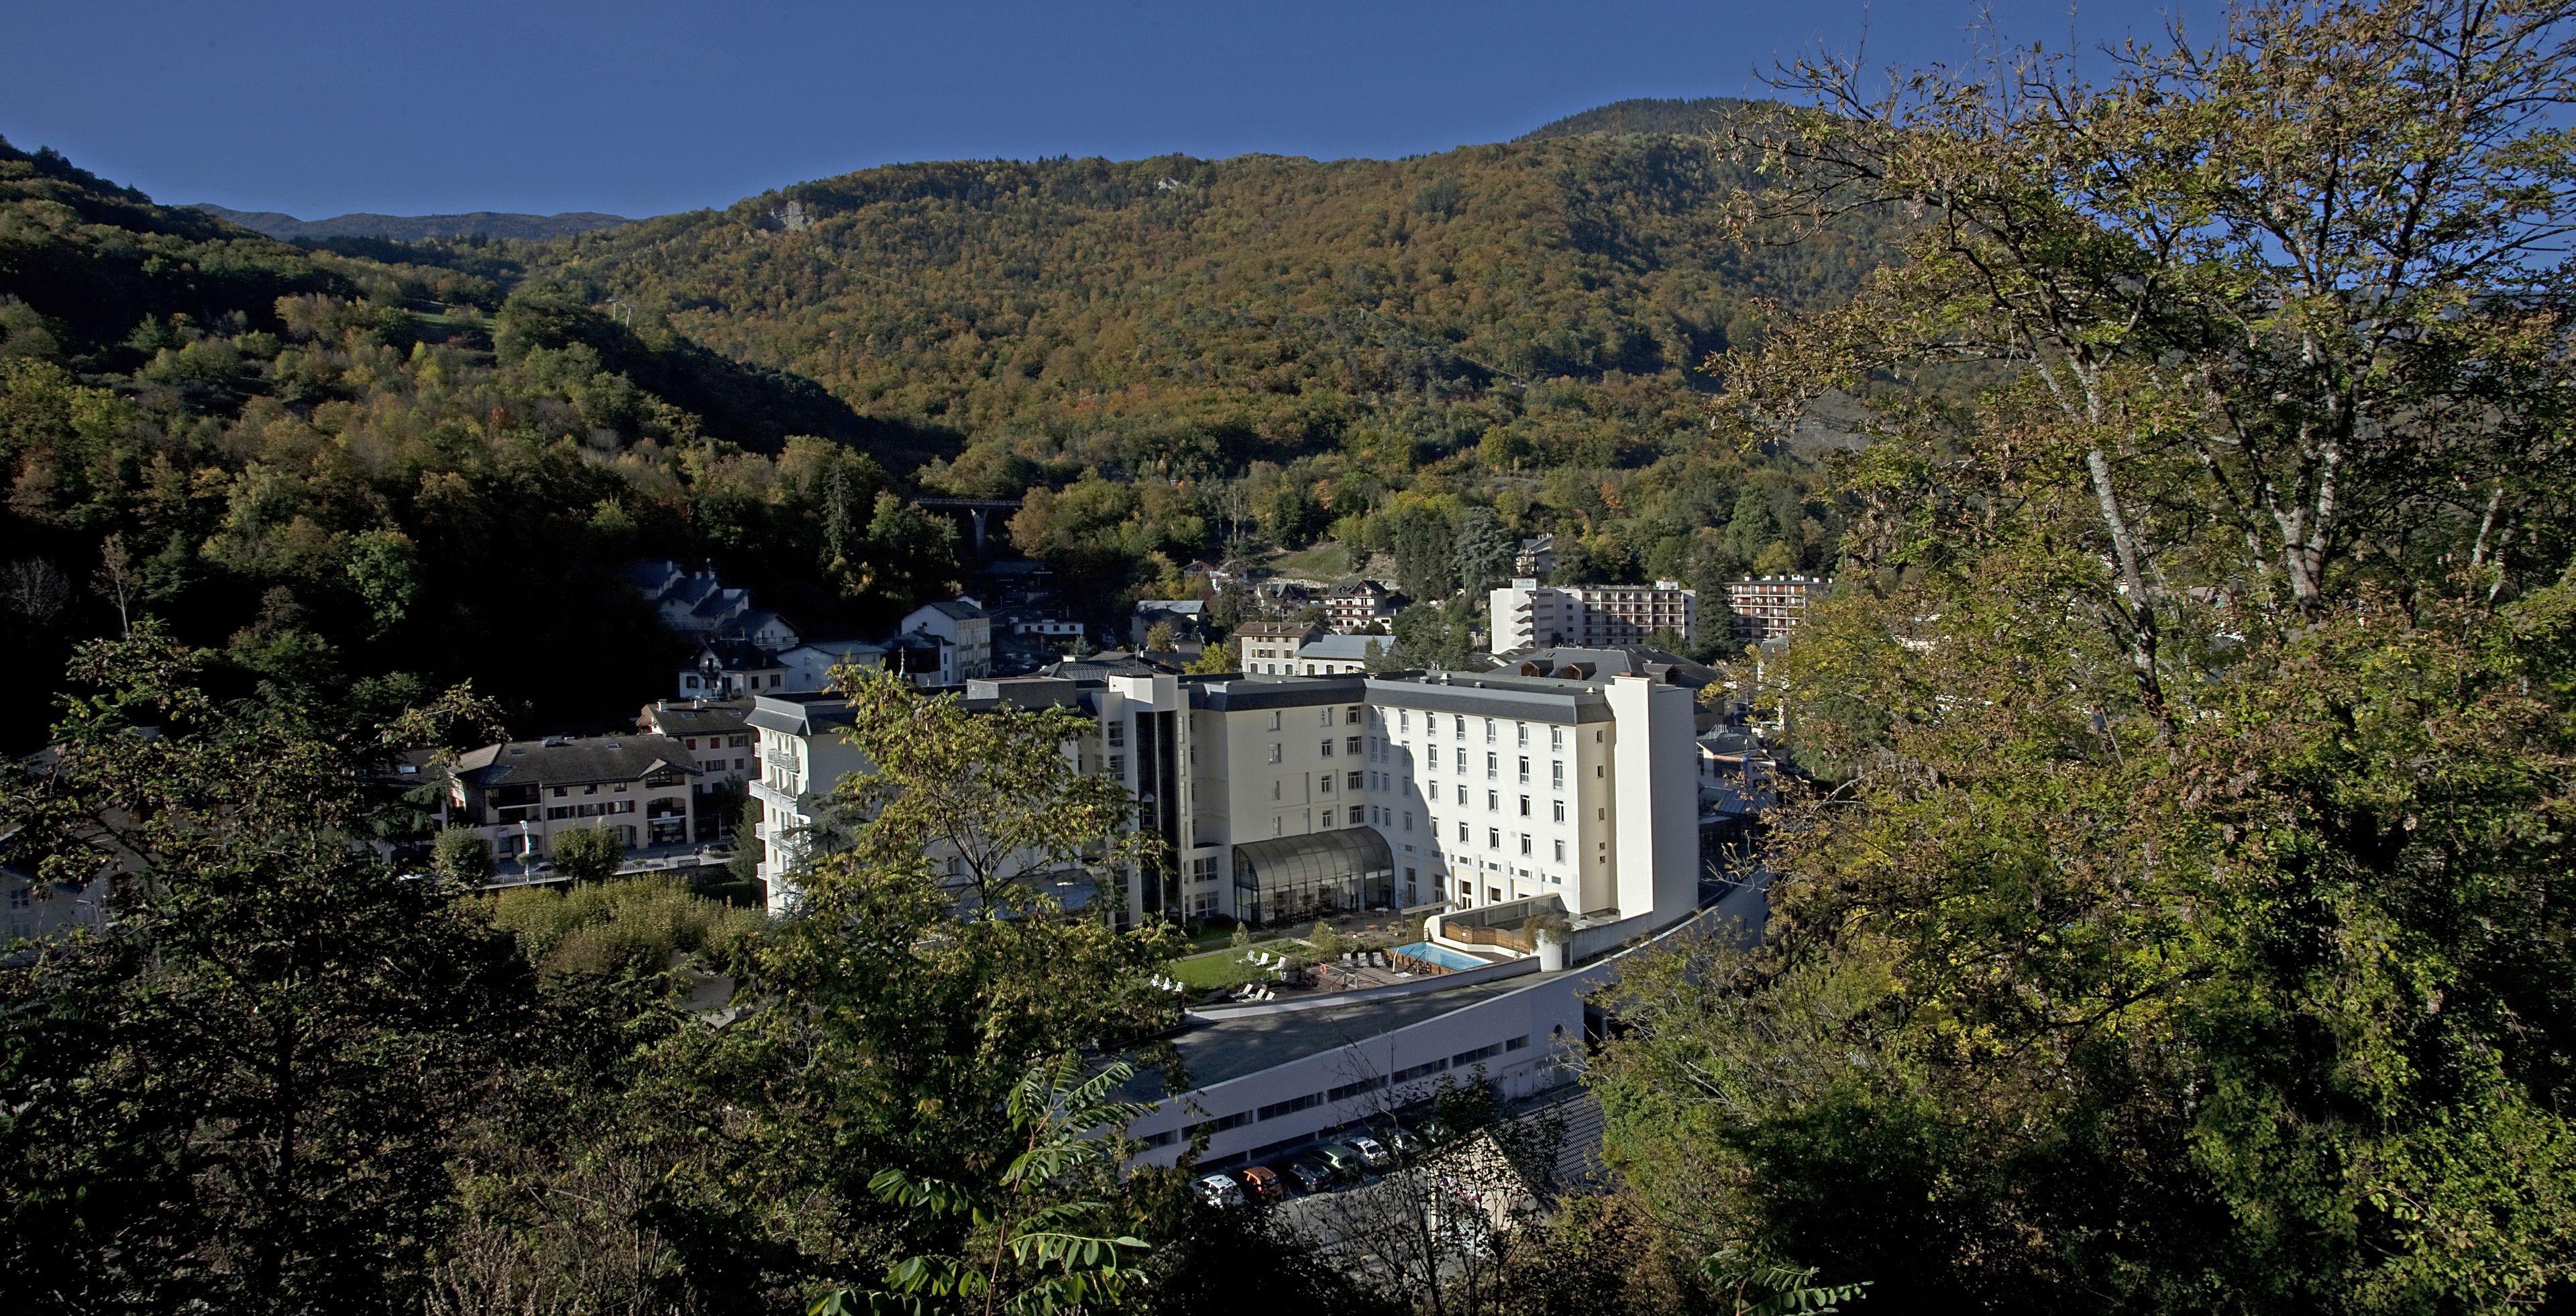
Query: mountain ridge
{"points": [[417, 228]]}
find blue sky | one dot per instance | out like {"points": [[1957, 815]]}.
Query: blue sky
{"points": [[642, 108]]}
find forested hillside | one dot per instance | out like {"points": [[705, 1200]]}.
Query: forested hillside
{"points": [[419, 457], [380, 475], [1279, 349]]}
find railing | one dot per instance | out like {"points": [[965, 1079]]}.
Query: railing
{"points": [[1518, 939]]}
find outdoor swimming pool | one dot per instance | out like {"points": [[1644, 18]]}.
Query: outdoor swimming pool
{"points": [[1440, 955]]}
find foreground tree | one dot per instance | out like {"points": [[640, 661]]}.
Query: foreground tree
{"points": [[2182, 928], [236, 1098]]}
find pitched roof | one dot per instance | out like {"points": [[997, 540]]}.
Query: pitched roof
{"points": [[1345, 648], [573, 760]]}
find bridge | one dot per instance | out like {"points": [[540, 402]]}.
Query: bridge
{"points": [[976, 510]]}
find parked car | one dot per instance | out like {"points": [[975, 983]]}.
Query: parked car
{"points": [[1403, 1141], [1432, 1129], [1310, 1174], [1343, 1158], [1261, 1183], [1220, 1190], [1373, 1153]]}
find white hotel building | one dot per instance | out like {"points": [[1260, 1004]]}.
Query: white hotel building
{"points": [[1481, 800]]}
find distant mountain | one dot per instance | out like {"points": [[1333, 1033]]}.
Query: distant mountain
{"points": [[418, 228], [1646, 116]]}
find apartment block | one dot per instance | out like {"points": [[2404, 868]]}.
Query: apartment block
{"points": [[1769, 607], [1529, 615], [523, 794]]}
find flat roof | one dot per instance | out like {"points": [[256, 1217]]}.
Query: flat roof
{"points": [[1251, 692], [1485, 694], [1222, 1050]]}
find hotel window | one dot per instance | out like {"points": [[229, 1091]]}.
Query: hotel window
{"points": [[1408, 824], [1274, 719], [1356, 780], [1560, 811], [1403, 720], [1461, 725], [1323, 717], [1118, 765], [1493, 766], [1493, 838], [1324, 784], [1327, 748], [1462, 833], [1462, 795], [1351, 746], [1524, 770], [1525, 843], [1274, 794], [1493, 802], [1560, 852], [1556, 737], [1274, 751], [1489, 731], [1520, 732], [1556, 774], [1351, 716], [1525, 806]]}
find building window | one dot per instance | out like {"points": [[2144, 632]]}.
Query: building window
{"points": [[1118, 765], [1462, 832], [1323, 717], [1525, 843], [1274, 751], [1351, 715], [1461, 725], [1560, 852], [1489, 731], [1525, 806], [1326, 749], [1493, 802], [1274, 794], [1556, 774], [1461, 758], [1118, 732], [1520, 733], [1493, 838], [1355, 781], [1274, 719], [1324, 784], [1524, 770], [1403, 719], [1560, 811], [1408, 820], [1351, 746], [1462, 795], [1493, 766]]}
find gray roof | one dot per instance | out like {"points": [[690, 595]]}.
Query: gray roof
{"points": [[1596, 663], [698, 718], [1345, 648], [804, 713], [573, 760], [1236, 693], [955, 608], [1486, 694], [1182, 607], [1222, 1050]]}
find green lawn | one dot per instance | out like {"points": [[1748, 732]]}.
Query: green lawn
{"points": [[1227, 967], [1325, 561]]}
